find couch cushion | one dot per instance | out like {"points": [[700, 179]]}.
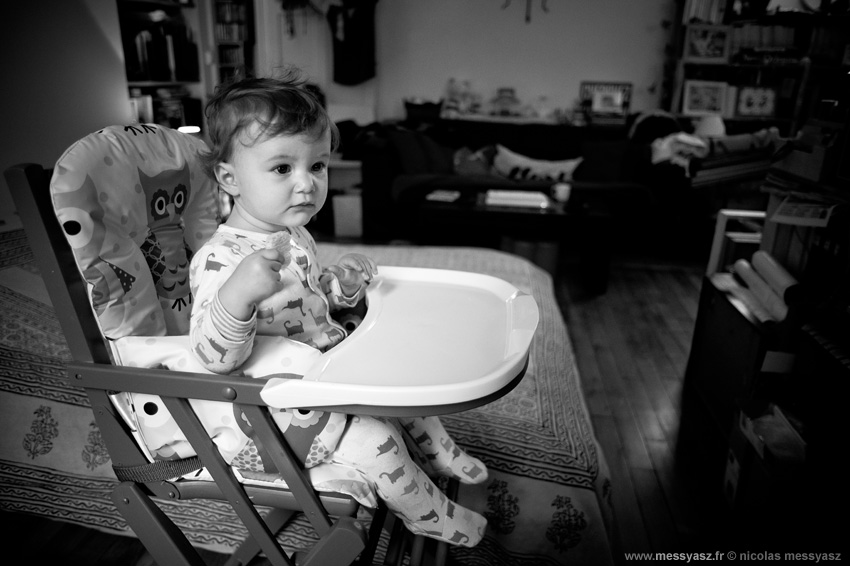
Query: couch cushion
{"points": [[608, 162], [419, 154], [472, 163]]}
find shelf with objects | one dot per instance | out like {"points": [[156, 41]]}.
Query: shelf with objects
{"points": [[755, 69], [769, 357], [233, 33], [161, 57]]}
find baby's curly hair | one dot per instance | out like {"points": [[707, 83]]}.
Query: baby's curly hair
{"points": [[281, 105]]}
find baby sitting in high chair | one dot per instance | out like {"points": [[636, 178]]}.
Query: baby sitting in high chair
{"points": [[271, 141]]}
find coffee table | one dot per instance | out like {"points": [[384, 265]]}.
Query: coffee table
{"points": [[539, 234]]}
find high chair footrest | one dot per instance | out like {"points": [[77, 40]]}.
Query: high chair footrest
{"points": [[346, 539], [157, 471]]}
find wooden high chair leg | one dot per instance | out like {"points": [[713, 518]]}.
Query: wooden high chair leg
{"points": [[399, 536], [417, 549], [379, 517], [160, 536], [249, 549], [221, 472], [342, 541]]}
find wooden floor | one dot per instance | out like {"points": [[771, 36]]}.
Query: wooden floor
{"points": [[631, 345]]}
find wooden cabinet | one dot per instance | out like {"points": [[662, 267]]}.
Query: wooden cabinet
{"points": [[233, 31], [754, 69]]}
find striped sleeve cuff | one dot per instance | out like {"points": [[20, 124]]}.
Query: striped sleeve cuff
{"points": [[228, 326]]}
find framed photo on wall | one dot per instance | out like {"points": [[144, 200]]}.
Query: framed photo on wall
{"points": [[756, 101], [704, 98], [707, 44], [606, 99]]}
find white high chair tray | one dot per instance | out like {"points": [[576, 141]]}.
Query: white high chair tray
{"points": [[430, 337]]}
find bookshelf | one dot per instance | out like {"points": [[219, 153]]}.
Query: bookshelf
{"points": [[747, 363], [753, 68], [162, 62], [233, 33]]}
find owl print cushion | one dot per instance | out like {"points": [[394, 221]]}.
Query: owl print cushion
{"points": [[134, 203]]}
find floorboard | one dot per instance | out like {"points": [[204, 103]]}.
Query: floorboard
{"points": [[631, 346]]}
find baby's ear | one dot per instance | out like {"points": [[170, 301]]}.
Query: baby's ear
{"points": [[226, 178]]}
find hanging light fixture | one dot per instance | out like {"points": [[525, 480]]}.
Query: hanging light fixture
{"points": [[543, 5]]}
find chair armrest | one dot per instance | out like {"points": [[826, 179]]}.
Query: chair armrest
{"points": [[170, 383]]}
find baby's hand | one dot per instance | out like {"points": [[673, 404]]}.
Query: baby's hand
{"points": [[353, 270], [282, 242], [257, 277]]}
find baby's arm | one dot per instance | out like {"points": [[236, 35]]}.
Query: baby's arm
{"points": [[226, 291]]}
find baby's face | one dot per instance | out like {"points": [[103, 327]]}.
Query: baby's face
{"points": [[280, 181]]}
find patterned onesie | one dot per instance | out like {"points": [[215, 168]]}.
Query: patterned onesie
{"points": [[375, 447]]}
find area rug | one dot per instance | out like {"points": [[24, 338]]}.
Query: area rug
{"points": [[14, 249], [547, 499]]}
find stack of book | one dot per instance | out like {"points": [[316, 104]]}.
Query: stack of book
{"points": [[732, 167], [762, 285], [523, 199]]}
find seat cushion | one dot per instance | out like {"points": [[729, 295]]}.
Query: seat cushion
{"points": [[134, 203]]}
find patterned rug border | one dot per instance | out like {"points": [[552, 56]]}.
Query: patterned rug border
{"points": [[14, 248]]}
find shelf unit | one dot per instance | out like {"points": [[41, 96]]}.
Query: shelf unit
{"points": [[161, 57], [233, 33], [769, 69], [159, 45]]}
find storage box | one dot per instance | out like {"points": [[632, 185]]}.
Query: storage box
{"points": [[348, 214]]}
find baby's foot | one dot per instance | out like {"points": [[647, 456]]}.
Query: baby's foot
{"points": [[458, 525], [461, 466]]}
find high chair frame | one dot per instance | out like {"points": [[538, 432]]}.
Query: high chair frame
{"points": [[342, 538]]}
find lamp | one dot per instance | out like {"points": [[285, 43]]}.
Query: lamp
{"points": [[711, 126]]}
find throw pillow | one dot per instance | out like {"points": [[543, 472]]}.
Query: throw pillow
{"points": [[521, 168], [467, 162]]}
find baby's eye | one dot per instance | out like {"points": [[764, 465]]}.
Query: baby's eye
{"points": [[320, 166], [282, 169]]}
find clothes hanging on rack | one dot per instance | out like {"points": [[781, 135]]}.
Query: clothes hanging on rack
{"points": [[353, 31]]}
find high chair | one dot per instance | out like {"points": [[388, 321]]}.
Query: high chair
{"points": [[112, 228]]}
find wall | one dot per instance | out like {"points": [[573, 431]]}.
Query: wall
{"points": [[420, 45], [63, 72]]}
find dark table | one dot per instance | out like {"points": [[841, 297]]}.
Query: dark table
{"points": [[539, 234]]}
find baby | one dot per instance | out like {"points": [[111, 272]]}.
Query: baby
{"points": [[270, 143]]}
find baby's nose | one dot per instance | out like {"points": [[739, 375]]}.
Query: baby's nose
{"points": [[305, 184]]}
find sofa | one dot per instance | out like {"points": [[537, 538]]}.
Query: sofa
{"points": [[624, 193], [402, 163]]}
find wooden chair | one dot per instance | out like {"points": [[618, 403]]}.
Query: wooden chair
{"points": [[85, 318]]}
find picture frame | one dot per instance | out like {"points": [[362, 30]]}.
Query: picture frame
{"points": [[705, 43], [756, 101], [606, 99], [704, 98]]}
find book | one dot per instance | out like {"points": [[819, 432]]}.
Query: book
{"points": [[442, 195], [525, 199]]}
